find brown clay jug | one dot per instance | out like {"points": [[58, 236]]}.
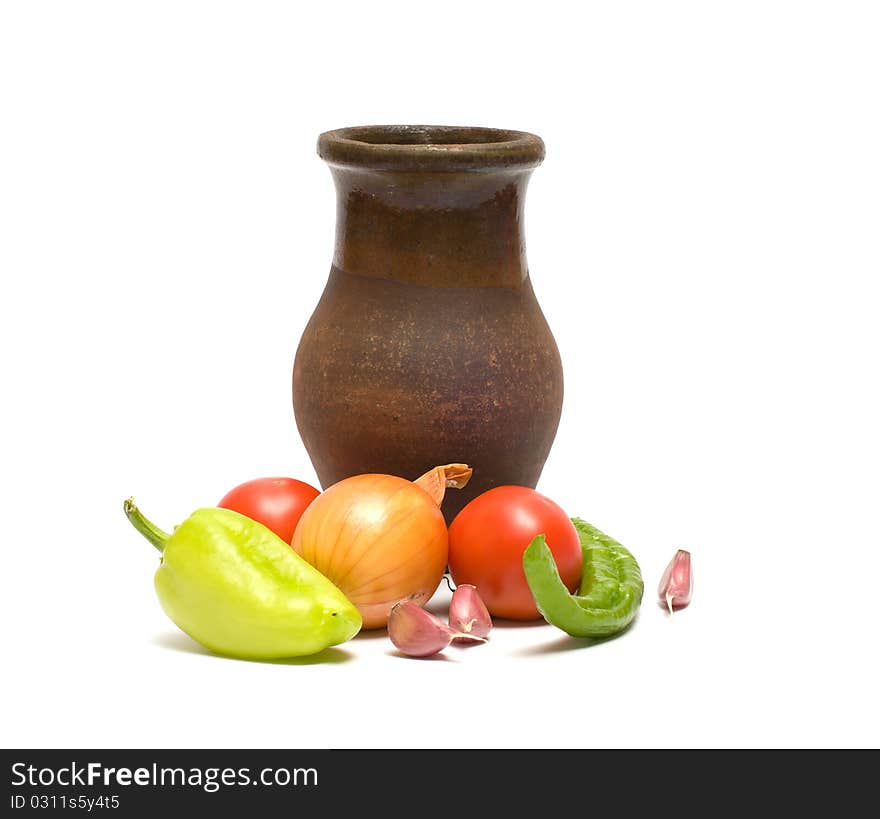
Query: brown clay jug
{"points": [[428, 345]]}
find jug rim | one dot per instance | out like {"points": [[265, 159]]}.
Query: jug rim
{"points": [[430, 148]]}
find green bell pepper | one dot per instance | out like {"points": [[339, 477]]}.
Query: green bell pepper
{"points": [[238, 589]]}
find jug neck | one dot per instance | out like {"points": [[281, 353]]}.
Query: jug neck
{"points": [[434, 229], [439, 206]]}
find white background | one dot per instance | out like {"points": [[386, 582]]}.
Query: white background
{"points": [[703, 238]]}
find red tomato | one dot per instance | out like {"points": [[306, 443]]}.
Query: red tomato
{"points": [[277, 503], [487, 540]]}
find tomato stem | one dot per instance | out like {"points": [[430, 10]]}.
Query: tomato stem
{"points": [[149, 530]]}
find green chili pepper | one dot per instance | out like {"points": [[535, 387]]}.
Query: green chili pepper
{"points": [[610, 591], [238, 589]]}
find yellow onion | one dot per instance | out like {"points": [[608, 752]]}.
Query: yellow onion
{"points": [[380, 539]]}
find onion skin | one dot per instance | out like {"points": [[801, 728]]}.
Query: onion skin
{"points": [[379, 538]]}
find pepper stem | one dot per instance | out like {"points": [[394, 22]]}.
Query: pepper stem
{"points": [[436, 480], [149, 530]]}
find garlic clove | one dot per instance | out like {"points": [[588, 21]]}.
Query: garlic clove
{"points": [[468, 614], [677, 584], [416, 632]]}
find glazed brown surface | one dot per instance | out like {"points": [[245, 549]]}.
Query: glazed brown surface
{"points": [[428, 345]]}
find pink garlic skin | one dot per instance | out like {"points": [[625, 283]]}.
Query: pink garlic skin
{"points": [[468, 614], [677, 584], [417, 632]]}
